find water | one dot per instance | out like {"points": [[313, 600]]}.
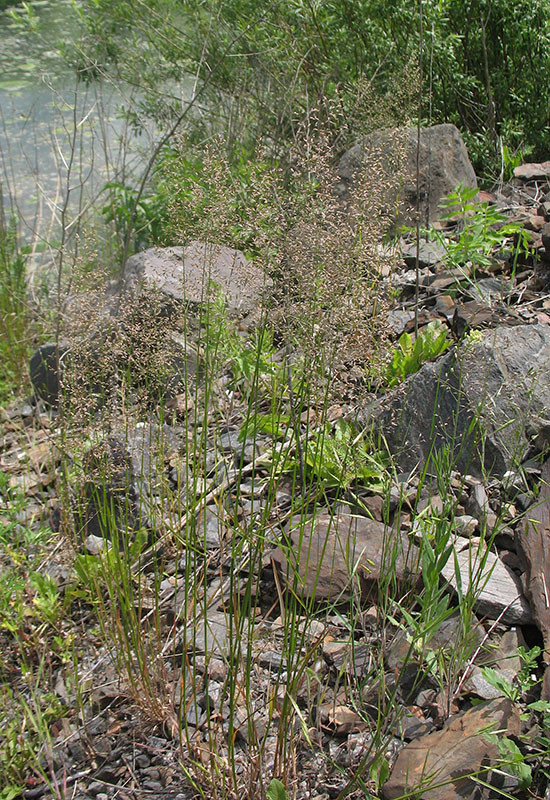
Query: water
{"points": [[60, 140]]}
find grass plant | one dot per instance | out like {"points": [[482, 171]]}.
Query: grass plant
{"points": [[14, 311]]}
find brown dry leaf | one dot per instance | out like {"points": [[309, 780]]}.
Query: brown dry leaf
{"points": [[114, 727]]}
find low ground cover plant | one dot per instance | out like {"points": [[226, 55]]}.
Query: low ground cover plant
{"points": [[430, 342]]}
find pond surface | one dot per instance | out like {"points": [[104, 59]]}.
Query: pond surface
{"points": [[60, 140]]}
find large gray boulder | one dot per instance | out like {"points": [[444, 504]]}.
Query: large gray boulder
{"points": [[190, 274], [444, 163], [484, 401]]}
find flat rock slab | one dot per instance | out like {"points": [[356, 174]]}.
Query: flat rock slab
{"points": [[443, 760], [332, 557], [496, 587], [483, 402], [187, 274], [533, 171]]}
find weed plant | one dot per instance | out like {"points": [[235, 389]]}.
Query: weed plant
{"points": [[482, 231]]}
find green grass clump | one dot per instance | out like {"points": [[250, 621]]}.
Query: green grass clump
{"points": [[14, 314]]}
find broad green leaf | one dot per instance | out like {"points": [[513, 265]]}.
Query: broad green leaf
{"points": [[276, 790]]}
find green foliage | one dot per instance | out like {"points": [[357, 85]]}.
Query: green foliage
{"points": [[431, 341], [6, 3], [433, 602], [335, 457], [341, 456], [512, 760], [23, 15], [276, 790], [264, 66], [142, 217], [14, 313], [512, 159], [527, 757], [275, 425], [30, 602], [483, 229], [31, 612], [526, 676], [94, 573], [496, 679], [379, 771], [25, 724]]}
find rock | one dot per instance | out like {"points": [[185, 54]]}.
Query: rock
{"points": [[402, 659], [465, 525], [348, 657], [487, 290], [209, 635], [444, 163], [110, 498], [497, 589], [502, 653], [44, 373], [211, 528], [95, 545], [478, 685], [446, 758], [430, 254], [445, 306], [181, 365], [533, 545], [478, 502], [342, 719], [502, 656], [399, 320], [533, 171], [473, 314], [120, 474], [535, 223], [433, 503], [328, 556], [186, 275], [485, 401]]}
